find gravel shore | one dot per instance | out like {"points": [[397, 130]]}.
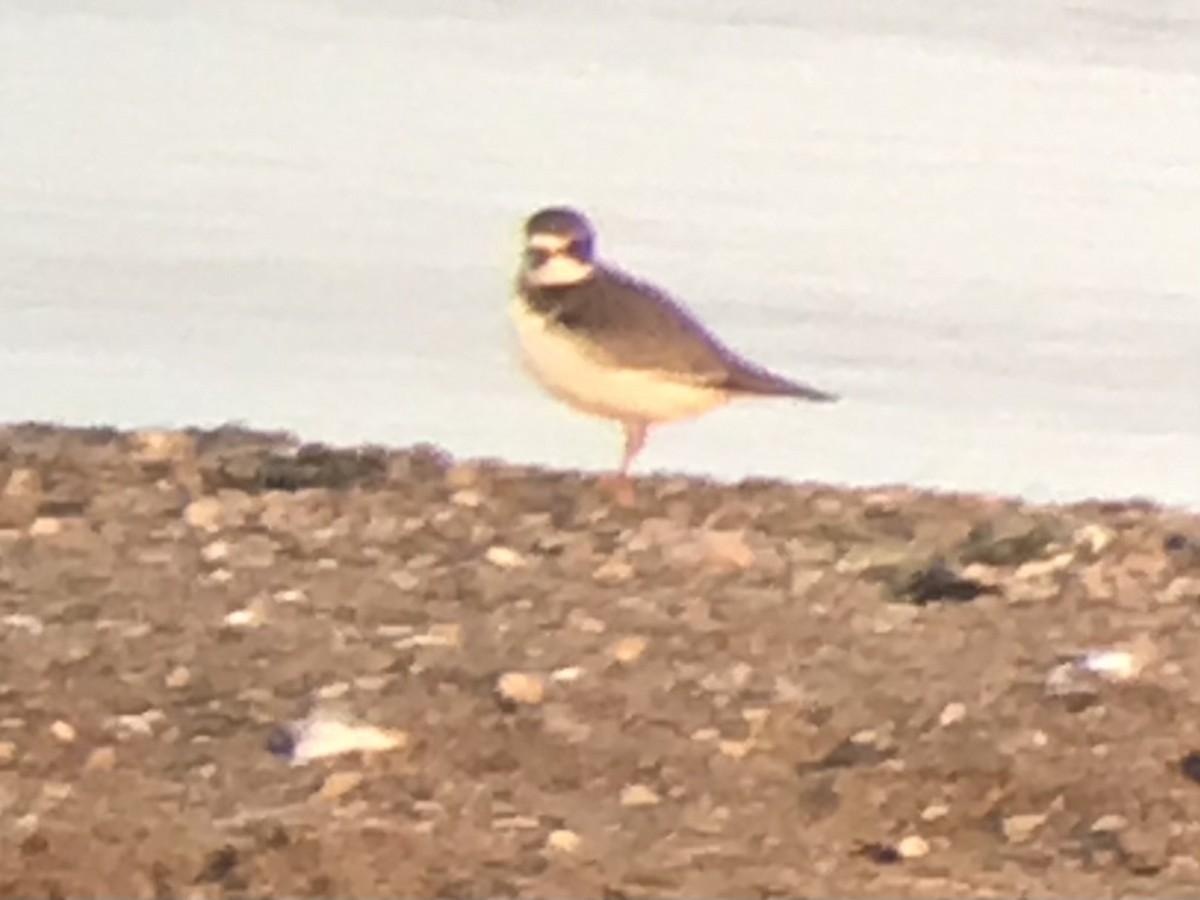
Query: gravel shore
{"points": [[237, 665]]}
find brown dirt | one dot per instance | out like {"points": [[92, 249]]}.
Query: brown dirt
{"points": [[753, 690]]}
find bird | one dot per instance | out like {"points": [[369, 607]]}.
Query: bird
{"points": [[611, 345]]}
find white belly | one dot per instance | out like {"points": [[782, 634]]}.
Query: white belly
{"points": [[567, 372]]}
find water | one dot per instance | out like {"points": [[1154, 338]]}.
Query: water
{"points": [[980, 223]]}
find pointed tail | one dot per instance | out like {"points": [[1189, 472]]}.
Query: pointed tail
{"points": [[749, 379]]}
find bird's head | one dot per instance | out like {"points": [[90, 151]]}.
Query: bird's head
{"points": [[560, 247]]}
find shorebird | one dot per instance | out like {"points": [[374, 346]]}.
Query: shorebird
{"points": [[611, 345]]}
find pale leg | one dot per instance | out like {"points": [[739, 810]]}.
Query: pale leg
{"points": [[621, 485], [635, 440]]}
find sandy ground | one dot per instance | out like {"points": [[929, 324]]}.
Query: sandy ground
{"points": [[752, 690]]}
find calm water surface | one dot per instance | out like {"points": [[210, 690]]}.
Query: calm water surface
{"points": [[979, 222]]}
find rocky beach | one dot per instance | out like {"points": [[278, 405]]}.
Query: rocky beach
{"points": [[235, 664]]}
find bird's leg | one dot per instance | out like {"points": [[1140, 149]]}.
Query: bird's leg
{"points": [[621, 484], [635, 440]]}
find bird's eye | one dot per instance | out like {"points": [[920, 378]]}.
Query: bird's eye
{"points": [[537, 256], [580, 248]]}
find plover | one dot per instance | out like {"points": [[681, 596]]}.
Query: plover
{"points": [[613, 346]]}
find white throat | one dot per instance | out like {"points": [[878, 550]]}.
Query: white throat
{"points": [[558, 271]]}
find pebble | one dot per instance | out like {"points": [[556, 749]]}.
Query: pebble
{"points": [[728, 549], [423, 560], [371, 683], [442, 635], [1021, 827], [133, 631], [516, 823], [1146, 850], [63, 731], [521, 687], [988, 576], [219, 576], [636, 795], [462, 475], [23, 482], [862, 557], [804, 580], [613, 571], [26, 824], [558, 720], [446, 634], [57, 790], [629, 649], [567, 674], [934, 811], [45, 526], [1182, 588], [334, 691], [428, 808], [338, 784], [31, 624], [102, 759], [585, 623], [248, 617], [735, 749], [404, 580], [1147, 564], [719, 550], [1109, 823], [255, 551], [912, 847], [1184, 866], [756, 717], [563, 840], [204, 514], [467, 498], [140, 724], [729, 681], [1094, 538], [1096, 581], [20, 498], [1038, 568], [1032, 590], [161, 446], [8, 752], [655, 532], [952, 713], [215, 552], [505, 557], [178, 677]]}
